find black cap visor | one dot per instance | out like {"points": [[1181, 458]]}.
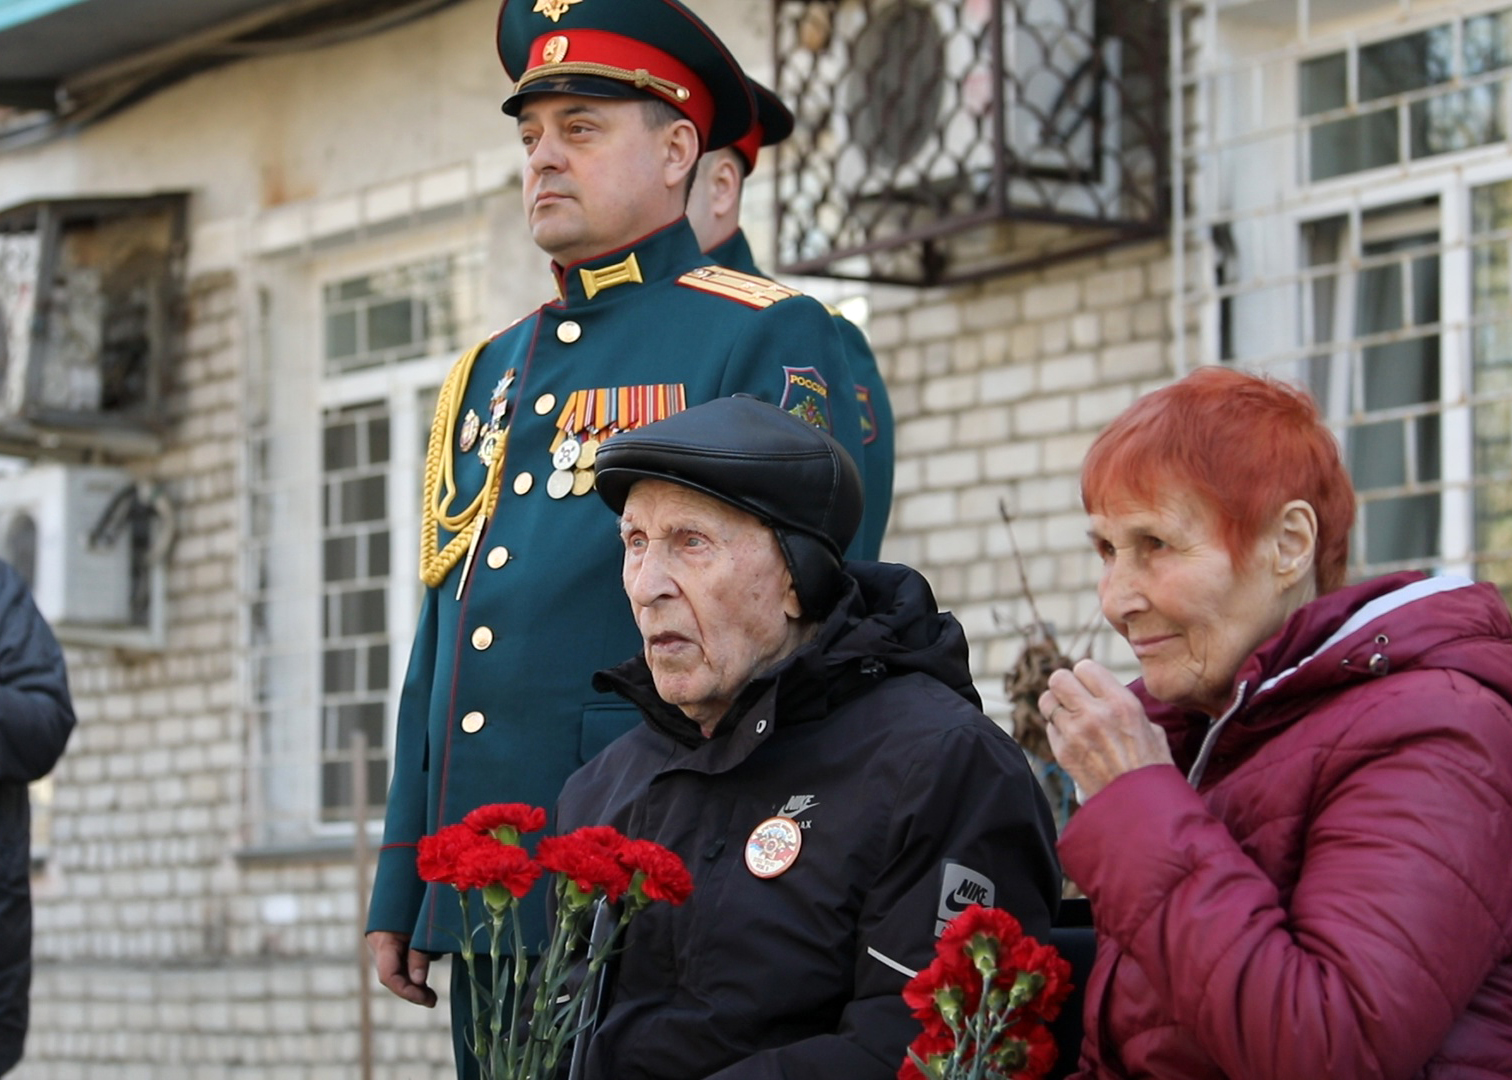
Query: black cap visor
{"points": [[595, 86]]}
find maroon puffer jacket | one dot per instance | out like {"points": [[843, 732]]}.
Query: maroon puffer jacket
{"points": [[1331, 895]]}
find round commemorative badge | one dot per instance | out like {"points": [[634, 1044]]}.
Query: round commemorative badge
{"points": [[773, 846]]}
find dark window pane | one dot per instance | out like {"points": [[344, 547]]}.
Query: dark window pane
{"points": [[378, 554], [1430, 455], [355, 289], [1353, 144], [390, 324], [364, 499], [1425, 291], [1378, 455], [1403, 373], [341, 334], [1406, 63], [362, 612], [1323, 83], [1459, 121], [378, 440], [377, 667], [366, 717], [1488, 43], [336, 790], [1402, 529], [340, 447], [340, 671], [340, 562]]}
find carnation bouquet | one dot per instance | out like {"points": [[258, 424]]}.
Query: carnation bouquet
{"points": [[985, 1001], [595, 868]]}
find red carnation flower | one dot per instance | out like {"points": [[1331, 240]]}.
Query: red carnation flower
{"points": [[1038, 1048], [588, 857], [978, 921], [521, 817], [946, 972], [446, 858], [656, 872], [1029, 955], [493, 863]]}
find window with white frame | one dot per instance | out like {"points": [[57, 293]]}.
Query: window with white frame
{"points": [[1350, 215], [335, 469], [354, 628]]}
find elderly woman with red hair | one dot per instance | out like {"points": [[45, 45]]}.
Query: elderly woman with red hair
{"points": [[1296, 828]]}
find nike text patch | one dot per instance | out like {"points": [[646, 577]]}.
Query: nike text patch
{"points": [[960, 887]]}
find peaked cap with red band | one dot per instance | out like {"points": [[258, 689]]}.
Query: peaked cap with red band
{"points": [[774, 123], [626, 49]]}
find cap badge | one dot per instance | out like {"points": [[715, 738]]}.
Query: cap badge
{"points": [[553, 9], [773, 846], [554, 49]]}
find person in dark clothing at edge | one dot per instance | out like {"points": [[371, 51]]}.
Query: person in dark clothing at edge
{"points": [[36, 717], [813, 749], [714, 203]]}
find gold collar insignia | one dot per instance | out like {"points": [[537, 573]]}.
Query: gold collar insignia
{"points": [[625, 273]]}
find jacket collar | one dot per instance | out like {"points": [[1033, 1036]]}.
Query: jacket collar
{"points": [[664, 253], [1354, 634], [735, 253]]}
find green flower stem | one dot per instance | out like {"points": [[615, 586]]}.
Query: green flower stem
{"points": [[497, 1045], [469, 957], [546, 991], [512, 1051]]}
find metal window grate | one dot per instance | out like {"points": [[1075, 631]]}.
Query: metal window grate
{"points": [[948, 140]]}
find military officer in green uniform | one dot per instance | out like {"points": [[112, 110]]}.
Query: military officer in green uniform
{"points": [[714, 212], [615, 100]]}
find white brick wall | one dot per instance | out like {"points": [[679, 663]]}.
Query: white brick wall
{"points": [[1035, 366]]}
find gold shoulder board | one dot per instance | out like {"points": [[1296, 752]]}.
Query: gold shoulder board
{"points": [[750, 289]]}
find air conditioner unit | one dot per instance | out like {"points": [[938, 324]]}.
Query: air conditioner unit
{"points": [[917, 103], [48, 515]]}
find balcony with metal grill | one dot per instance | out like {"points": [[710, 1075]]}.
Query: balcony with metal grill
{"points": [[942, 141]]}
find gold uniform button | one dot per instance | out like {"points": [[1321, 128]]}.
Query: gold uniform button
{"points": [[544, 404], [523, 483], [472, 723], [498, 557], [568, 332], [482, 638]]}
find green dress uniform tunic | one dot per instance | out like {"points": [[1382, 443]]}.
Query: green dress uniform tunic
{"points": [[497, 704], [876, 461]]}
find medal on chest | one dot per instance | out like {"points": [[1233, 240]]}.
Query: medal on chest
{"points": [[488, 437], [773, 847]]}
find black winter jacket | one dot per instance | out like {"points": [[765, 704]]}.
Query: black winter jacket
{"points": [[911, 805], [36, 717]]}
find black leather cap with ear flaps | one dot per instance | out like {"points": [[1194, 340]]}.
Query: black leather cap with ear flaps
{"points": [[758, 458]]}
